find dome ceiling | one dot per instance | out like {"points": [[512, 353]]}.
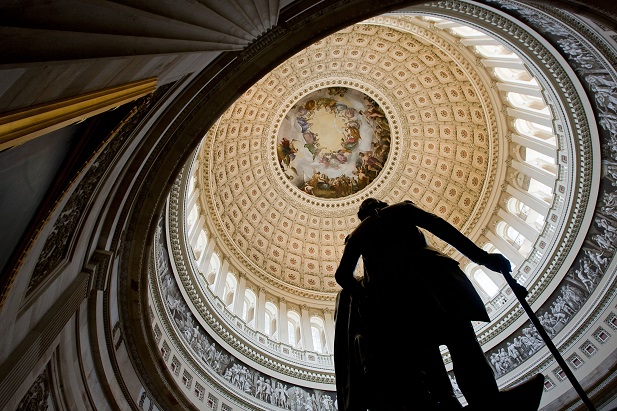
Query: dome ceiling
{"points": [[391, 98]]}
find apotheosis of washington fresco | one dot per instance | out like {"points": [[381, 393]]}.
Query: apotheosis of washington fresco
{"points": [[333, 142]]}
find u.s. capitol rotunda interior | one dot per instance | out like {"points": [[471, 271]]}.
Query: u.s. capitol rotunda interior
{"points": [[409, 105], [216, 285]]}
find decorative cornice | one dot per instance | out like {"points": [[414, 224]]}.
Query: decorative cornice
{"points": [[60, 240]]}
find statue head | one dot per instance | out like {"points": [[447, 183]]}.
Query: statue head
{"points": [[370, 207]]}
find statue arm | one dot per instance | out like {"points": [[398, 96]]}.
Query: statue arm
{"points": [[447, 232], [344, 273]]}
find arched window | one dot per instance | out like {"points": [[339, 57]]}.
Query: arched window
{"points": [[540, 161], [525, 213], [230, 290], [535, 220], [508, 233], [516, 239], [200, 245], [318, 334], [535, 188], [527, 102], [509, 75], [531, 129], [192, 218], [213, 270], [540, 191], [498, 51], [248, 308], [486, 284], [294, 329], [517, 208], [271, 321]]}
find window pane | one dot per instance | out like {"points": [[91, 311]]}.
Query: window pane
{"points": [[316, 339], [291, 330], [489, 287]]}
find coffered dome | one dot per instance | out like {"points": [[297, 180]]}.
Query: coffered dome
{"points": [[411, 91]]}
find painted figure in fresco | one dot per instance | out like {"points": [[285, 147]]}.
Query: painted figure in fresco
{"points": [[286, 152], [409, 285], [351, 139]]}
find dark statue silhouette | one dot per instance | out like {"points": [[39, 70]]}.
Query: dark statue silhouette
{"points": [[411, 300]]}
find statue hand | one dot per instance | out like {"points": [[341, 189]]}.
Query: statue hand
{"points": [[351, 283], [520, 291], [498, 263]]}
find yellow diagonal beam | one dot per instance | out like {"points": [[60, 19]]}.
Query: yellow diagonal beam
{"points": [[19, 126]]}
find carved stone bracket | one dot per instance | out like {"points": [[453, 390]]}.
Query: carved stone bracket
{"points": [[98, 268]]}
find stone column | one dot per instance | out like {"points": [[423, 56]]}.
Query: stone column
{"points": [[282, 322], [532, 202], [221, 278], [330, 327], [239, 296], [260, 314], [204, 261], [505, 248], [307, 335], [196, 230], [540, 175]]}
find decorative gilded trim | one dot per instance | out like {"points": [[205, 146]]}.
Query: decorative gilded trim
{"points": [[20, 126]]}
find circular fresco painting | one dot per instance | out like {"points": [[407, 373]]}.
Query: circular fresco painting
{"points": [[333, 142]]}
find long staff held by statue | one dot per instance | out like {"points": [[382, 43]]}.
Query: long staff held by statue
{"points": [[521, 293]]}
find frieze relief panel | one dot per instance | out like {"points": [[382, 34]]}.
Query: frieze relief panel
{"points": [[39, 397], [58, 243]]}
